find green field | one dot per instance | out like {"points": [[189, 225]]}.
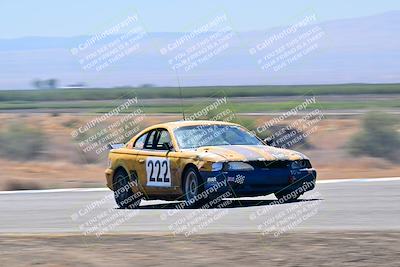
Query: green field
{"points": [[161, 99], [99, 107], [191, 92]]}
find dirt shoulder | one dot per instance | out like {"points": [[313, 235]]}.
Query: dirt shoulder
{"points": [[292, 249]]}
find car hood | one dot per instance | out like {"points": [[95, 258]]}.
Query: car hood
{"points": [[247, 153]]}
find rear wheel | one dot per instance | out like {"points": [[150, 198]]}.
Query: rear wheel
{"points": [[123, 193], [192, 187]]}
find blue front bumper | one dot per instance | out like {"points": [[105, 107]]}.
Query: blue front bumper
{"points": [[259, 182]]}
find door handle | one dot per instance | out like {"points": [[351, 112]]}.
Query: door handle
{"points": [[141, 160]]}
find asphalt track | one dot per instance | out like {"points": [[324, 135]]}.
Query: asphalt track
{"points": [[356, 204]]}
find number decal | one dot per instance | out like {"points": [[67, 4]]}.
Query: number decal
{"points": [[150, 163], [159, 179], [166, 179], [158, 172]]}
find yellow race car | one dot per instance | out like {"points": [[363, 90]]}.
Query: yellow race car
{"points": [[195, 161]]}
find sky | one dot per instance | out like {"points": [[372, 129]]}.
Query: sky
{"points": [[65, 18]]}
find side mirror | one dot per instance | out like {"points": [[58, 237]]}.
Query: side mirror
{"points": [[268, 141], [168, 146]]}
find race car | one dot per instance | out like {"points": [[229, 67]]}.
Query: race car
{"points": [[195, 161]]}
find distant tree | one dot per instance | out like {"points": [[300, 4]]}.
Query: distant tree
{"points": [[147, 85], [37, 84], [45, 84], [52, 83]]}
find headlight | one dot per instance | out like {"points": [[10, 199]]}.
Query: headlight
{"points": [[300, 164], [238, 166], [217, 166]]}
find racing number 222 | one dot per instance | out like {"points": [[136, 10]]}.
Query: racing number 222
{"points": [[158, 173]]}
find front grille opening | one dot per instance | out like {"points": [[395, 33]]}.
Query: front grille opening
{"points": [[278, 164], [274, 164]]}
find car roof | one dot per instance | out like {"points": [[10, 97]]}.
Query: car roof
{"points": [[177, 124]]}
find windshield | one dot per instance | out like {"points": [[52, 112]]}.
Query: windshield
{"points": [[213, 135]]}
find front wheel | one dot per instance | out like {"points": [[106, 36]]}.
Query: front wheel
{"points": [[123, 193], [192, 188]]}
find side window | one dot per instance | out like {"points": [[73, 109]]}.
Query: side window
{"points": [[139, 144], [164, 138], [149, 144], [157, 139]]}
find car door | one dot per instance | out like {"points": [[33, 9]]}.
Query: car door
{"points": [[153, 164]]}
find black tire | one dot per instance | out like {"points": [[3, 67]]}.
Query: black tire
{"points": [[192, 186], [123, 193], [287, 197]]}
